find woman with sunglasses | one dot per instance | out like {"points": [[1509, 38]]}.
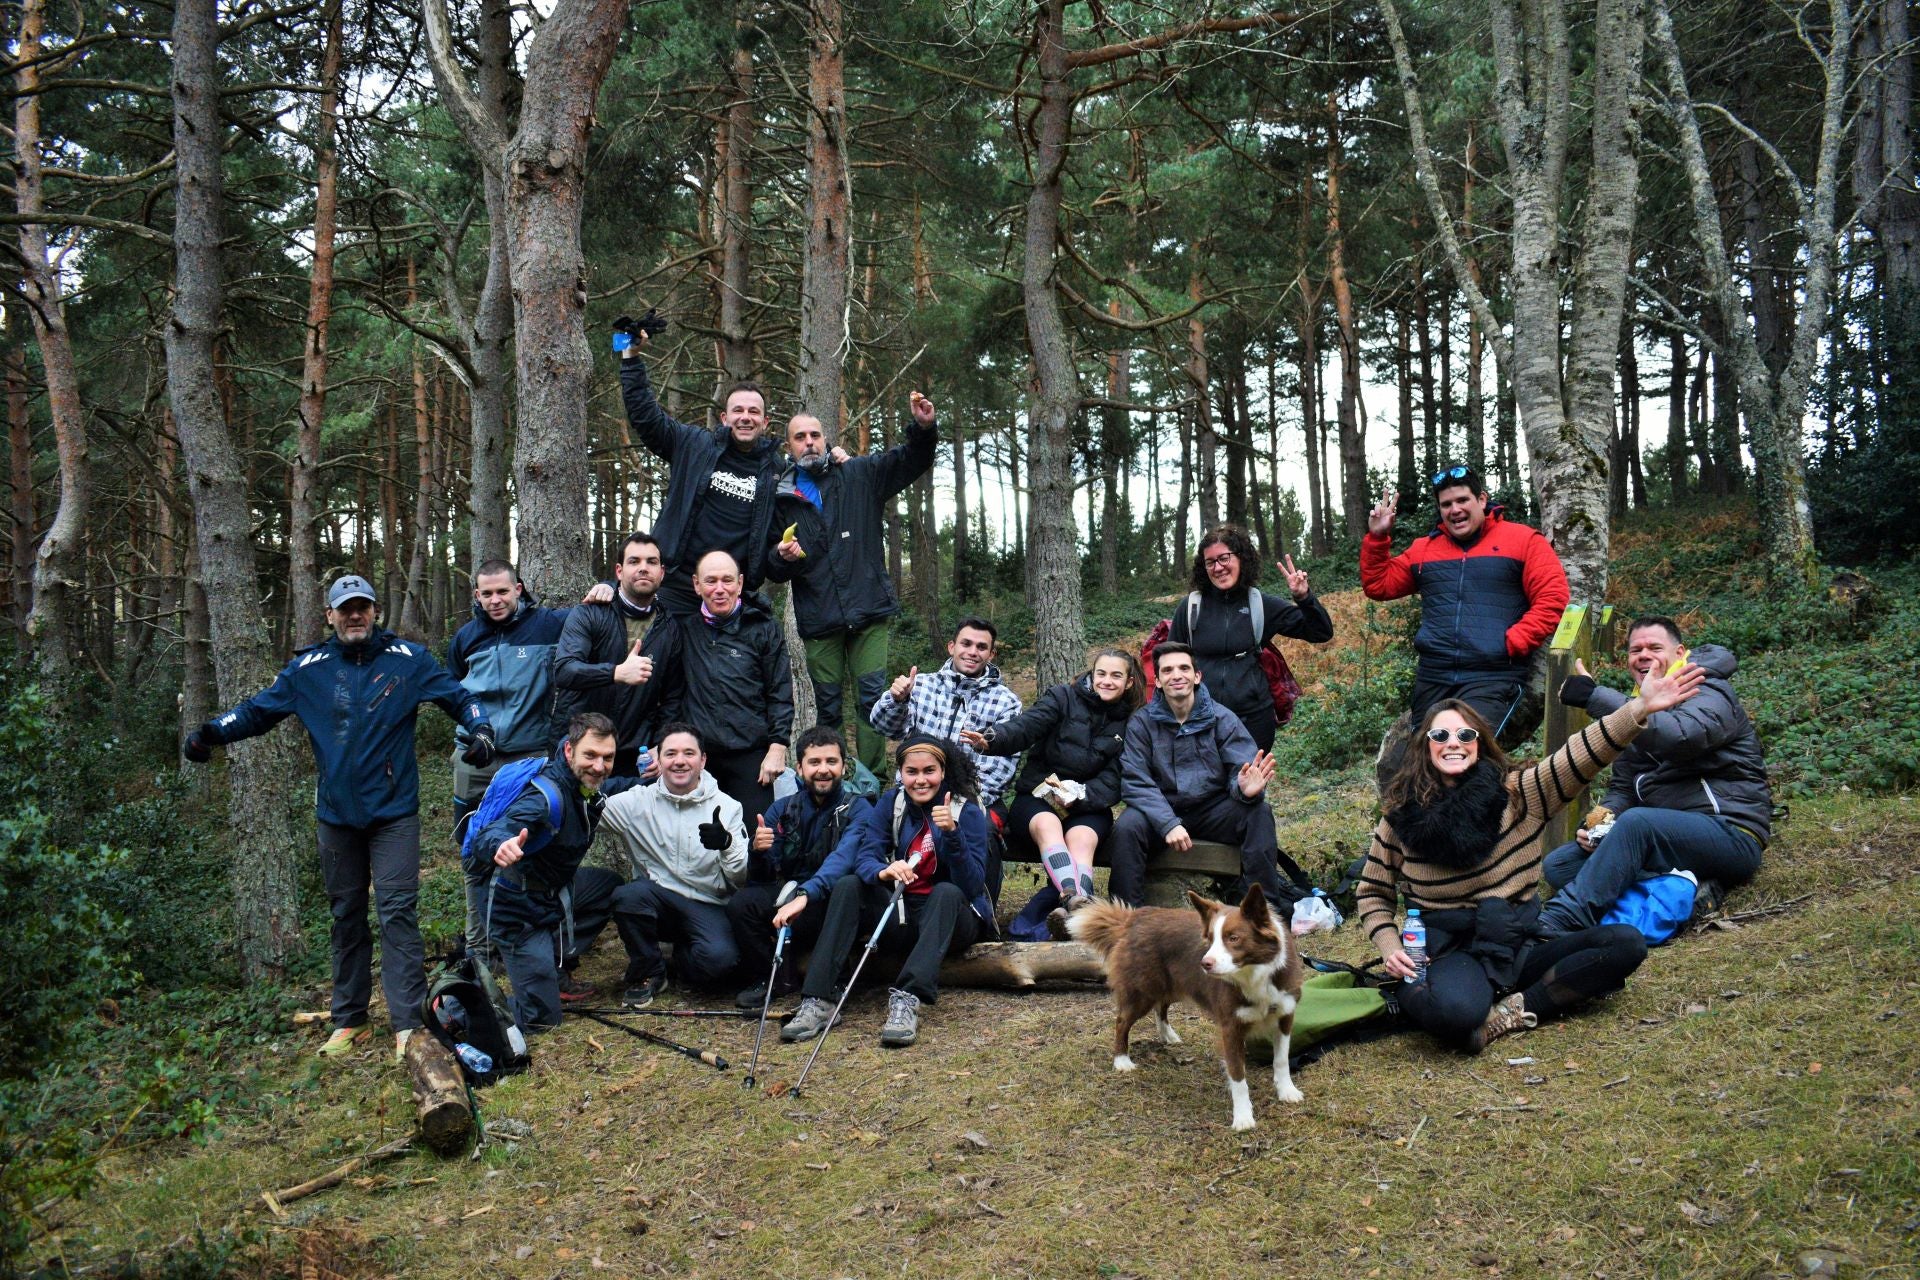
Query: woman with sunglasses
{"points": [[1460, 839], [1217, 624]]}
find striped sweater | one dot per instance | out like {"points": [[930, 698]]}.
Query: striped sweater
{"points": [[1512, 868]]}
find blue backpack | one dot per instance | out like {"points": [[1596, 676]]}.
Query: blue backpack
{"points": [[1659, 906], [499, 797]]}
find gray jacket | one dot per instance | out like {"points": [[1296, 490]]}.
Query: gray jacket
{"points": [[1168, 767], [1702, 756]]}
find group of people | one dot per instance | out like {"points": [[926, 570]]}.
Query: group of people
{"points": [[660, 708]]}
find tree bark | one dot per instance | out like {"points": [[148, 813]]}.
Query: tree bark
{"points": [[1353, 442], [1429, 411], [412, 620], [262, 795], [1407, 476], [489, 331], [736, 211], [1053, 555], [303, 516], [1114, 446], [1206, 440], [54, 628], [823, 288], [24, 521], [1677, 419]]}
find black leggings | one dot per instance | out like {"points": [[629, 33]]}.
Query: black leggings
{"points": [[1554, 977]]}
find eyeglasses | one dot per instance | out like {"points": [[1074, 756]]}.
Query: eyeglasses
{"points": [[1465, 735], [1214, 562], [1451, 473]]}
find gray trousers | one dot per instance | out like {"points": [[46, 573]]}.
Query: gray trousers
{"points": [[383, 858], [469, 784]]}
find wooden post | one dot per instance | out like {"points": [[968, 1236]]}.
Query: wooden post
{"points": [[1572, 642]]}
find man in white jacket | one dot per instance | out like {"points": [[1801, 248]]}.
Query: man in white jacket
{"points": [[686, 843]]}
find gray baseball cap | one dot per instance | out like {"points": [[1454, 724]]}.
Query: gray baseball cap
{"points": [[350, 587]]}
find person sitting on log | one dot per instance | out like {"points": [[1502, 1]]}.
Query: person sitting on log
{"points": [[1190, 770], [543, 909], [687, 846], [1457, 839], [1690, 794], [792, 842], [927, 833], [1064, 796]]}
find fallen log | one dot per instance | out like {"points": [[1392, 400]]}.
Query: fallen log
{"points": [[439, 1095], [276, 1200], [1022, 965]]}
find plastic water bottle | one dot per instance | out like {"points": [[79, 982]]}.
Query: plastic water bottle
{"points": [[1414, 940], [473, 1060], [452, 1015], [516, 1042]]}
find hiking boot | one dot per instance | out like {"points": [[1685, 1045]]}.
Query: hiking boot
{"points": [[573, 989], [808, 1021], [755, 996], [639, 995], [400, 1039], [1505, 1018], [902, 1027], [345, 1040]]}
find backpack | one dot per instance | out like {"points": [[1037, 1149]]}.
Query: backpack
{"points": [[1281, 685], [1659, 906], [489, 1025], [501, 792]]}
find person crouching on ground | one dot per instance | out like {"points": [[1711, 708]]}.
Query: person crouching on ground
{"points": [[932, 815], [1458, 839]]}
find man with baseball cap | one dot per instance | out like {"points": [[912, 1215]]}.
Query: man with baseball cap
{"points": [[358, 694]]}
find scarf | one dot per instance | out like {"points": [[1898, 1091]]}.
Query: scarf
{"points": [[1460, 828]]}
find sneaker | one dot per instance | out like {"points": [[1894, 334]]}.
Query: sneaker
{"points": [[808, 1021], [345, 1040], [755, 996], [903, 1019], [639, 995], [1505, 1018], [573, 989], [400, 1039]]}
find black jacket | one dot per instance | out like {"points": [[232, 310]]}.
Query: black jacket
{"points": [[549, 868], [1228, 656], [592, 644], [1071, 733], [842, 584], [739, 689], [691, 453]]}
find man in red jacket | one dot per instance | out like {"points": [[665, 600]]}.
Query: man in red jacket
{"points": [[1491, 593]]}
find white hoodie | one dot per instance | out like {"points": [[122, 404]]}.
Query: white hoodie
{"points": [[661, 835]]}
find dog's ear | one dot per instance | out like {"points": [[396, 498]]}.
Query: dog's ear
{"points": [[1254, 907], [1205, 906]]}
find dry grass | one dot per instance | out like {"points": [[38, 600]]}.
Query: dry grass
{"points": [[1748, 1097]]}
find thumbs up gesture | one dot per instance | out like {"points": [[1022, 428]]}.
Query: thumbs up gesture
{"points": [[762, 835], [511, 850], [903, 685], [637, 669], [714, 835], [943, 816]]}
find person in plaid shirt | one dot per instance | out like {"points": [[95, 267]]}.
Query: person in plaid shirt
{"points": [[965, 693]]}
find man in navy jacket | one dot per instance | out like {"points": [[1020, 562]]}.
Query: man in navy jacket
{"points": [[358, 695]]}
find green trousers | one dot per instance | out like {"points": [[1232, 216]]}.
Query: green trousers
{"points": [[859, 658]]}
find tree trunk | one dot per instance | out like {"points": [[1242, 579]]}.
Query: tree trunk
{"points": [[823, 287], [262, 794], [964, 587], [1206, 441], [24, 520], [1114, 447], [54, 628], [1429, 411], [1677, 419], [303, 517], [1353, 441], [1053, 554], [1408, 477], [490, 331], [1310, 423], [412, 621], [926, 556], [736, 210]]}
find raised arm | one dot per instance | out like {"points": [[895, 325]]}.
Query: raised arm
{"points": [[1019, 733], [257, 714], [1383, 575], [1548, 787], [907, 461], [662, 436], [1544, 579], [1298, 618]]}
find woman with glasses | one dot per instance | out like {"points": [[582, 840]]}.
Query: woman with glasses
{"points": [[1218, 624], [1460, 839]]}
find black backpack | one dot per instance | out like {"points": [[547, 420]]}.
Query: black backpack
{"points": [[488, 1020]]}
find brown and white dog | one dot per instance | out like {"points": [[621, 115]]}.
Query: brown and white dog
{"points": [[1238, 965]]}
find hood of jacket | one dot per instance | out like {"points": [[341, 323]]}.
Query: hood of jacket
{"points": [[988, 677], [704, 790], [1200, 720], [1715, 660]]}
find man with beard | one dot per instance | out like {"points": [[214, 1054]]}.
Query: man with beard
{"points": [[836, 561], [1190, 770], [544, 909], [1690, 794], [739, 688], [622, 658], [796, 841], [358, 694]]}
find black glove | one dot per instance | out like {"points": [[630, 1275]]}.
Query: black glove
{"points": [[1576, 691], [480, 749], [195, 748], [652, 322], [626, 324], [714, 835]]}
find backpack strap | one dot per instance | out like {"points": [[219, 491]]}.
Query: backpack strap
{"points": [[556, 813], [1193, 613], [1257, 609]]}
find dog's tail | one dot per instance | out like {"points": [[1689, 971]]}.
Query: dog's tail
{"points": [[1100, 925]]}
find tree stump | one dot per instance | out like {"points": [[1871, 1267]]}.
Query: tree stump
{"points": [[439, 1094]]}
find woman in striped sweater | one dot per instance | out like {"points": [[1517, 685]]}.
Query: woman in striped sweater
{"points": [[1461, 839]]}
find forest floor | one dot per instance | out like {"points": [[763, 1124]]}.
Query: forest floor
{"points": [[1744, 1108]]}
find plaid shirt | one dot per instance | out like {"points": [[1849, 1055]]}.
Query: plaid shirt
{"points": [[946, 702]]}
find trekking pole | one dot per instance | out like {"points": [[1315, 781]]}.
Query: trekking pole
{"points": [[707, 1056], [779, 949], [895, 903], [742, 1014]]}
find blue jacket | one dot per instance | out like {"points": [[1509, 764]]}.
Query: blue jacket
{"points": [[508, 666], [887, 830], [358, 705], [806, 833], [1168, 766], [551, 867]]}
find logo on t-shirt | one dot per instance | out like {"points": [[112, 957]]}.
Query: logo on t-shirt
{"points": [[728, 485]]}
